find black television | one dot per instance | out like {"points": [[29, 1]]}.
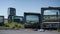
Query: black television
{"points": [[1, 20], [32, 20]]}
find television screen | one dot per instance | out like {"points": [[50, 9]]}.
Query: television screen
{"points": [[51, 15], [1, 19], [32, 18]]}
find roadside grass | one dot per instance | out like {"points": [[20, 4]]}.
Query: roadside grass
{"points": [[58, 30], [14, 25]]}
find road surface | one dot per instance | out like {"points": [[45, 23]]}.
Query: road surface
{"points": [[25, 32]]}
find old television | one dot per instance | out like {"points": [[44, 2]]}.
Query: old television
{"points": [[1, 20], [50, 17], [18, 19], [32, 20]]}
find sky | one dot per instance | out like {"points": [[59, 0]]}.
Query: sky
{"points": [[26, 6]]}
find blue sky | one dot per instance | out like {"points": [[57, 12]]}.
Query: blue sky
{"points": [[26, 6]]}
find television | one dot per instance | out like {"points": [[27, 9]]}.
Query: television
{"points": [[1, 20]]}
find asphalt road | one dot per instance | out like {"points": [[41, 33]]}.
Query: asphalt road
{"points": [[25, 32]]}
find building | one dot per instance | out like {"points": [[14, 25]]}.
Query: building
{"points": [[11, 12], [50, 17], [1, 20], [32, 20]]}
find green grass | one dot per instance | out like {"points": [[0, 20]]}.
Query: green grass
{"points": [[14, 25], [58, 30]]}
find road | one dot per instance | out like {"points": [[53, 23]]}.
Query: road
{"points": [[25, 32]]}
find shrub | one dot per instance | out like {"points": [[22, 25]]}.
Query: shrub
{"points": [[20, 25], [14, 25], [6, 25]]}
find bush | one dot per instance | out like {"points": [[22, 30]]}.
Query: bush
{"points": [[14, 25], [6, 25], [20, 25], [58, 30]]}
